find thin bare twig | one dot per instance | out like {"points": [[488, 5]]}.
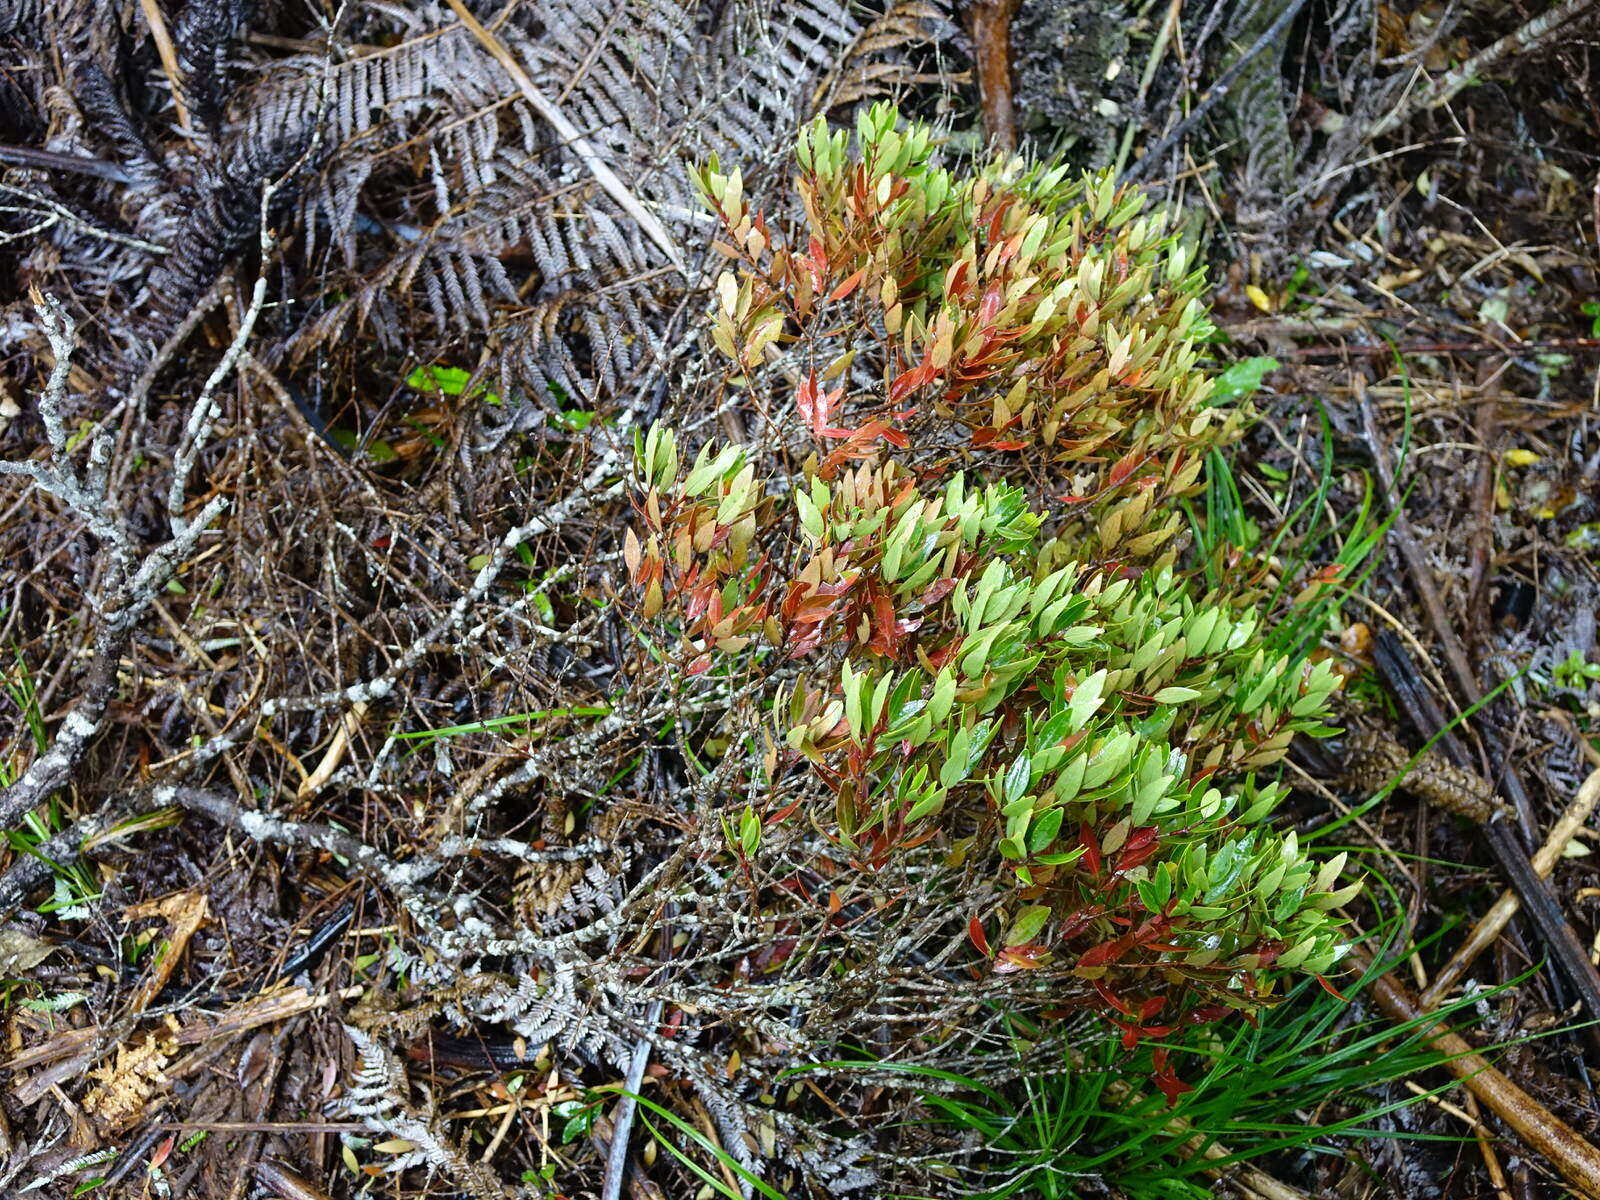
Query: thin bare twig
{"points": [[135, 581], [1212, 94]]}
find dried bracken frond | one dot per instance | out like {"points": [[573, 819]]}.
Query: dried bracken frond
{"points": [[380, 1096], [124, 1086]]}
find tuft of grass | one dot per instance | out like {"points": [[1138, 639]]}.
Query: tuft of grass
{"points": [[1256, 1090], [19, 686], [693, 1137], [75, 886], [1308, 533]]}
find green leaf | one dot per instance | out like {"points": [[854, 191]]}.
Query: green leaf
{"points": [[1064, 857], [377, 449], [1243, 378], [1591, 309], [1176, 695], [930, 805], [954, 770], [1028, 924], [448, 381], [1044, 831], [1086, 699], [1017, 777], [851, 683]]}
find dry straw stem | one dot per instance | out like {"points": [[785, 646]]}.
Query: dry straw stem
{"points": [[546, 108], [1499, 916], [168, 55]]}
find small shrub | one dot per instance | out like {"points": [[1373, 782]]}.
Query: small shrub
{"points": [[1012, 674]]}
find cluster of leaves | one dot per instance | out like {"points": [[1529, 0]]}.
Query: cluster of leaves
{"points": [[973, 672], [1047, 317]]}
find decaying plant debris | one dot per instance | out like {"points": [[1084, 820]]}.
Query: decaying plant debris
{"points": [[359, 837]]}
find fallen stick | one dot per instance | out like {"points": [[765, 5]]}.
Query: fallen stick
{"points": [[1567, 952], [1541, 1131], [1491, 924], [1212, 94], [622, 1120]]}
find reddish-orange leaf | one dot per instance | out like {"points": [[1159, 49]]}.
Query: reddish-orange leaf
{"points": [[162, 1151], [1331, 990], [1091, 848], [786, 811], [975, 932], [1125, 467], [989, 306], [1112, 1000], [850, 284]]}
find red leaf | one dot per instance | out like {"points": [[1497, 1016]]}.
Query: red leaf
{"points": [[786, 811], [817, 408], [904, 383], [955, 279], [805, 399], [989, 307], [1331, 990], [818, 254], [1104, 953], [162, 1151], [885, 634], [1171, 1086], [1141, 844], [1125, 467], [975, 932], [849, 285], [1020, 958], [1112, 1000], [1091, 848]]}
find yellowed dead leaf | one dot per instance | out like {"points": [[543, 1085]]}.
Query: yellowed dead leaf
{"points": [[184, 913], [21, 952]]}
